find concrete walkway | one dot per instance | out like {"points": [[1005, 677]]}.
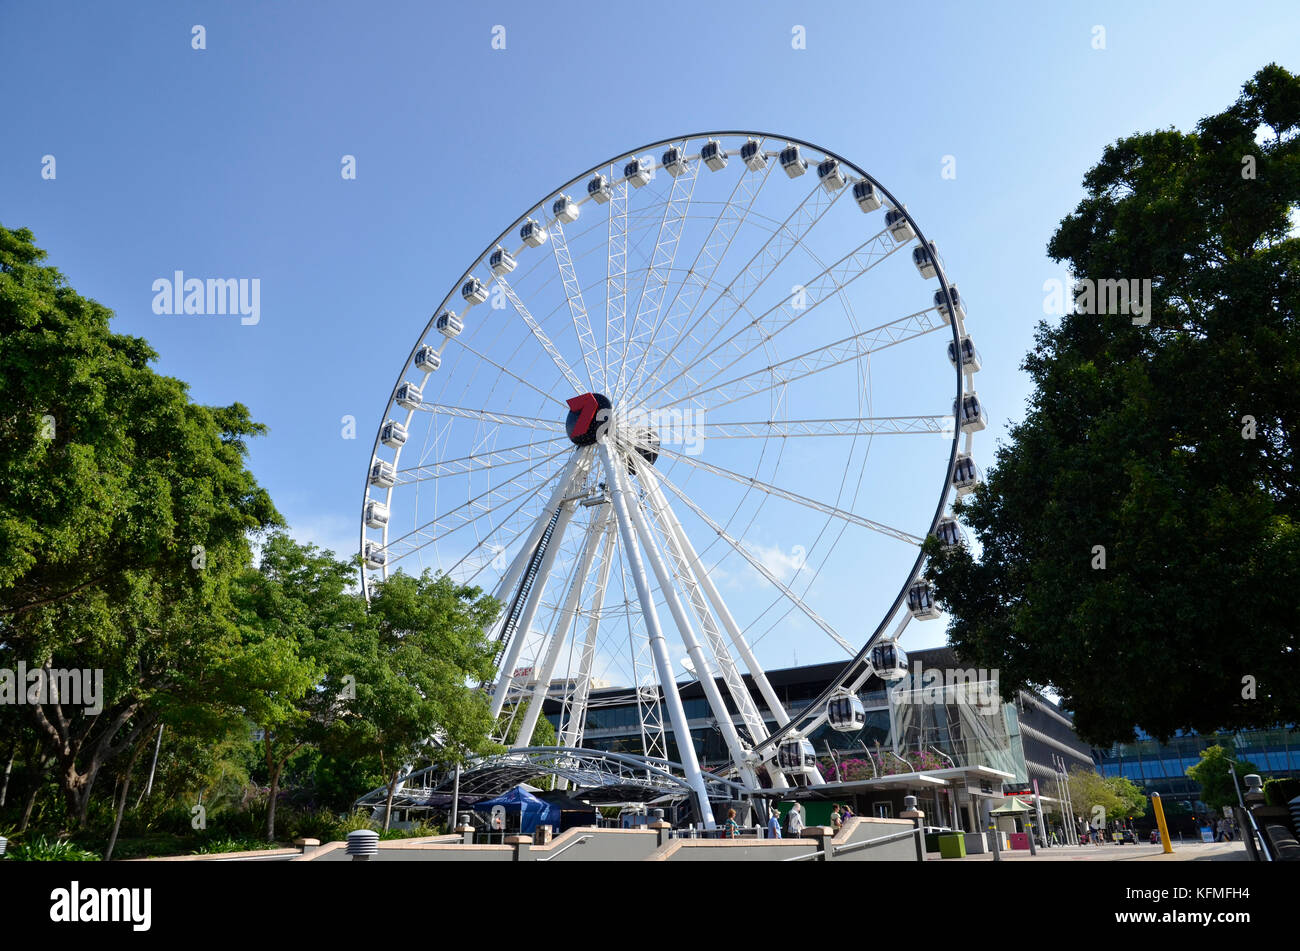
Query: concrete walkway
{"points": [[1183, 852]]}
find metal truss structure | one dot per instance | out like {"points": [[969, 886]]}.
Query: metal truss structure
{"points": [[598, 777]]}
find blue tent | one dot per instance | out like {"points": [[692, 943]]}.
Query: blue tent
{"points": [[533, 812]]}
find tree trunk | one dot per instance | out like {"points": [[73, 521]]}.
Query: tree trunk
{"points": [[76, 794], [270, 803], [121, 804], [388, 806], [117, 822], [31, 800], [9, 768]]}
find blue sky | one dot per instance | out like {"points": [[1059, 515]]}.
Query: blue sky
{"points": [[225, 162]]}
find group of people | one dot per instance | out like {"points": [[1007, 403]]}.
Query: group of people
{"points": [[794, 821]]}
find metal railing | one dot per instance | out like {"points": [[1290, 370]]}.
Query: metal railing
{"points": [[856, 846], [578, 841], [1265, 846]]}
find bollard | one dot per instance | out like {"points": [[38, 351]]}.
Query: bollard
{"points": [[917, 816], [1160, 821], [363, 845]]}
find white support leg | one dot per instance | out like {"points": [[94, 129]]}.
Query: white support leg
{"points": [[571, 734], [703, 669], [720, 607], [727, 666], [562, 488], [561, 633], [506, 676], [658, 646]]}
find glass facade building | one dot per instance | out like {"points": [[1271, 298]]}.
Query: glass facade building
{"points": [[1162, 767], [961, 726]]}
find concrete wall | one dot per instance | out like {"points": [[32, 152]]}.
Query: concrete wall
{"points": [[867, 828], [857, 830], [600, 845], [591, 844], [398, 851], [733, 850]]}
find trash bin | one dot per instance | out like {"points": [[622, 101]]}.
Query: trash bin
{"points": [[952, 847]]}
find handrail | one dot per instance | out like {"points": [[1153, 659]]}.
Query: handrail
{"points": [[855, 846], [1265, 844], [578, 841]]}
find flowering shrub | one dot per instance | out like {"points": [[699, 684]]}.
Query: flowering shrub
{"points": [[854, 768]]}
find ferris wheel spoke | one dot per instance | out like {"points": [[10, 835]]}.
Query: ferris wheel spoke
{"points": [[780, 317], [757, 564], [482, 546], [615, 276], [655, 284], [816, 361], [474, 462], [538, 334], [734, 298], [577, 306], [776, 492], [699, 275], [510, 373], [468, 512], [797, 428], [484, 416]]}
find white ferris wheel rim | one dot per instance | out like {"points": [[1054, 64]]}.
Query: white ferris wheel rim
{"points": [[854, 668]]}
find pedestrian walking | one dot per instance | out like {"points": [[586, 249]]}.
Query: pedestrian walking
{"points": [[836, 819], [731, 829], [774, 823], [794, 821]]}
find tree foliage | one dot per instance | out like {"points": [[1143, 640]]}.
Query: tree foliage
{"points": [[127, 522], [106, 467], [1136, 441], [1214, 773], [422, 646]]}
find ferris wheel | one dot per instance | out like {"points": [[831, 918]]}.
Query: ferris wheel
{"points": [[692, 413]]}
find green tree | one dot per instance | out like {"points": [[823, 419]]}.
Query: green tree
{"points": [[125, 510], [1133, 802], [425, 644], [1137, 440], [298, 615], [1214, 773], [1089, 790], [105, 466]]}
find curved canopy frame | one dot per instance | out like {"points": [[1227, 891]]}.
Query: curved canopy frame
{"points": [[599, 776]]}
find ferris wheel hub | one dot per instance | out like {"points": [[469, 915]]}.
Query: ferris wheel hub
{"points": [[588, 416]]}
